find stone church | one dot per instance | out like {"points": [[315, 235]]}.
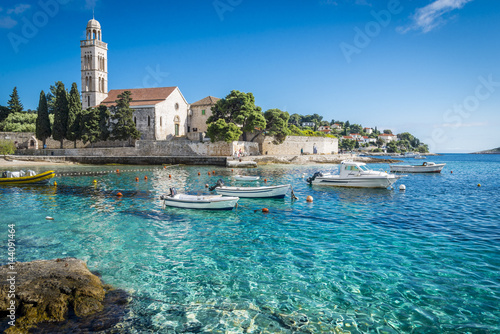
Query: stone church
{"points": [[159, 113]]}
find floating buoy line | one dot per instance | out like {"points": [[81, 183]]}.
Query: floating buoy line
{"points": [[118, 171]]}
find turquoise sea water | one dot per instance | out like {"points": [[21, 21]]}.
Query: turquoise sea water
{"points": [[426, 260]]}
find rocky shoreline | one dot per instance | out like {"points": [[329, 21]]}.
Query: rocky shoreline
{"points": [[313, 159], [55, 293]]}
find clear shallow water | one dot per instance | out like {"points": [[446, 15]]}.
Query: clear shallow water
{"points": [[426, 260]]}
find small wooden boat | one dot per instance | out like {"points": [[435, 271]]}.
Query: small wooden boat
{"points": [[251, 192], [200, 202], [246, 178], [426, 167], [30, 177]]}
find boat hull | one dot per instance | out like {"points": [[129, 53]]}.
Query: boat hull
{"points": [[417, 169], [254, 192], [354, 182], [42, 178], [202, 202], [246, 178]]}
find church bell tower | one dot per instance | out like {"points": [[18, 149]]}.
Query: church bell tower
{"points": [[94, 53]]}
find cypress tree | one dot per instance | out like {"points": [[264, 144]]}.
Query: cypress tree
{"points": [[124, 127], [103, 122], [74, 111], [89, 121], [42, 122], [14, 102], [61, 111]]}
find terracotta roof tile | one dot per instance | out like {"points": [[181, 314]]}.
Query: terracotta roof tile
{"points": [[140, 96], [209, 100]]}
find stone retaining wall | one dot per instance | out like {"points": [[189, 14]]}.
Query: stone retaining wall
{"points": [[296, 145]]}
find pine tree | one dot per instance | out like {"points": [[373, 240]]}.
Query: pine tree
{"points": [[89, 123], [61, 111], [124, 126], [14, 102], [42, 122], [74, 111]]}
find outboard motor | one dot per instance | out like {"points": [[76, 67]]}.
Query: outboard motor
{"points": [[312, 178], [173, 192], [219, 183]]}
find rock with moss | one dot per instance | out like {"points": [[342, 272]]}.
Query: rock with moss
{"points": [[46, 290]]}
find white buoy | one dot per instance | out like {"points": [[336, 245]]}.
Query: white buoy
{"points": [[49, 218], [402, 187]]}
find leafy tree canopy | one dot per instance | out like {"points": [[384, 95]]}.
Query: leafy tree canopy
{"points": [[222, 131], [7, 147], [124, 126], [277, 124], [19, 122]]}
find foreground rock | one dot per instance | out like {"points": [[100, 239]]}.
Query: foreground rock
{"points": [[47, 290]]}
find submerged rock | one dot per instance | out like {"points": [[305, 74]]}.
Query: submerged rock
{"points": [[50, 291]]}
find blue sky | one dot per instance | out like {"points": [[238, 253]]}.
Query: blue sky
{"points": [[429, 67]]}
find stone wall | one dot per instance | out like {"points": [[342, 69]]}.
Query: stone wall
{"points": [[189, 148], [296, 145]]}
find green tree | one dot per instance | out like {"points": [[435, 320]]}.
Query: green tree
{"points": [[124, 126], [379, 143], [222, 131], [347, 144], [295, 119], [61, 111], [387, 131], [14, 102], [19, 122], [7, 147], [104, 115], [89, 125], [392, 147], [4, 112], [423, 148], [74, 111], [356, 128], [239, 108], [276, 125], [51, 98], [43, 130]]}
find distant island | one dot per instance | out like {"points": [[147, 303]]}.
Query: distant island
{"points": [[493, 151]]}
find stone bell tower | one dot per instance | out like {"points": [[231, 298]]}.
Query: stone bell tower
{"points": [[94, 56]]}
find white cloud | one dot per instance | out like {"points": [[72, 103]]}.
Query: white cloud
{"points": [[431, 16], [19, 9], [7, 22]]}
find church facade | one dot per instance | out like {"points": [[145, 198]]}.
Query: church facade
{"points": [[160, 113]]}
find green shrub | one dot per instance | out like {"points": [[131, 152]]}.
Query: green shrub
{"points": [[7, 147]]}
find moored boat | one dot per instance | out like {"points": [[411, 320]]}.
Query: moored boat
{"points": [[354, 175], [426, 167], [246, 177], [251, 192], [201, 202], [22, 177]]}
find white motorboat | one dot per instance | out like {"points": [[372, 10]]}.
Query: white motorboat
{"points": [[251, 192], [426, 167], [246, 177], [203, 202], [355, 175]]}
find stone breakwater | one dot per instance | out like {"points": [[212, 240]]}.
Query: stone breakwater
{"points": [[313, 159], [48, 291]]}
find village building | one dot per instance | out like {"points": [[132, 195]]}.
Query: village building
{"points": [[368, 131], [387, 138], [199, 113], [336, 126], [159, 113], [324, 128]]}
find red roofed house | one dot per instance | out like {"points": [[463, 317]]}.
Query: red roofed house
{"points": [[368, 131], [159, 113]]}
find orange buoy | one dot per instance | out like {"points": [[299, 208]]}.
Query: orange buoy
{"points": [[199, 173], [145, 177], [136, 179], [265, 180], [208, 173], [232, 170], [118, 171], [309, 199], [451, 172], [119, 194], [265, 210], [169, 176], [164, 167], [213, 172]]}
